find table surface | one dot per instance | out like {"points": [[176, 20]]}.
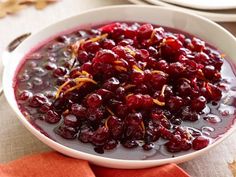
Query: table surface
{"points": [[16, 141]]}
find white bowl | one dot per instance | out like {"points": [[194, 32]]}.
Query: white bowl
{"points": [[198, 26]]}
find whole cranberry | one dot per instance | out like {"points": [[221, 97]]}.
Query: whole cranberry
{"points": [[91, 47], [198, 45], [105, 56], [175, 103], [145, 31], [198, 104], [94, 100], [82, 56], [134, 101], [108, 44], [105, 94], [200, 142], [111, 84], [209, 71]]}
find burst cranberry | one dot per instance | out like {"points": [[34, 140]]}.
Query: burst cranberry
{"points": [[111, 144], [176, 69], [66, 132], [71, 120], [61, 71], [115, 126], [25, 95], [130, 144], [158, 80], [52, 117], [121, 110], [37, 100], [100, 136], [133, 126], [79, 110], [95, 114], [85, 135], [187, 114]]}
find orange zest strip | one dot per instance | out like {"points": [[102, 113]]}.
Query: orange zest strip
{"points": [[97, 38], [76, 45], [59, 90], [85, 73], [158, 72], [152, 35], [78, 85], [74, 87], [65, 112], [118, 62], [84, 79], [110, 111], [129, 95], [185, 79], [159, 103], [223, 55], [128, 86], [163, 90], [77, 73], [208, 88], [132, 52], [137, 69], [105, 124], [162, 42], [143, 128], [120, 68]]}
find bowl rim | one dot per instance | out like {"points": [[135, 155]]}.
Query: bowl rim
{"points": [[97, 159]]}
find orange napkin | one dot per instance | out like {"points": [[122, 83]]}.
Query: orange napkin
{"points": [[53, 164]]}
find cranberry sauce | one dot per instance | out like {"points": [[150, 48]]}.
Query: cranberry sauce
{"points": [[128, 91]]}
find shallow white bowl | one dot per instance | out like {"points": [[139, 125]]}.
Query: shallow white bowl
{"points": [[198, 26]]}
